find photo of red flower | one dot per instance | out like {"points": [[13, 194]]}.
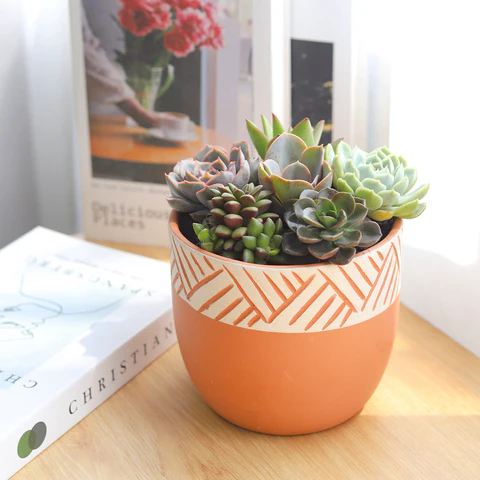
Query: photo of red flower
{"points": [[178, 43], [155, 31], [194, 24]]}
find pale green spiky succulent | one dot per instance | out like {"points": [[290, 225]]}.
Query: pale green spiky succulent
{"points": [[383, 179], [212, 166], [329, 225], [290, 167], [304, 130]]}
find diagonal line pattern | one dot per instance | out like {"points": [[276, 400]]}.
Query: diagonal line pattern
{"points": [[363, 274], [374, 264], [189, 264], [346, 317], [397, 277], [335, 315], [275, 287], [284, 305], [260, 291], [203, 282], [243, 316], [376, 281], [338, 291], [254, 320], [216, 297], [307, 304], [182, 268], [392, 261], [390, 283], [298, 278], [242, 291], [352, 283], [288, 283], [229, 308], [207, 261], [322, 310], [197, 264]]}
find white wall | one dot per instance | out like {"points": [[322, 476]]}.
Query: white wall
{"points": [[37, 183], [434, 124], [18, 208], [49, 69]]}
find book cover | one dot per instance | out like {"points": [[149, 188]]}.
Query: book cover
{"points": [[77, 321]]}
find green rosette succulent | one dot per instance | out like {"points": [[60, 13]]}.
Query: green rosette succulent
{"points": [[292, 167], [304, 130], [212, 166], [383, 179], [240, 224], [329, 225]]}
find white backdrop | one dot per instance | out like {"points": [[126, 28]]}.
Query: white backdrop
{"points": [[37, 168], [435, 124], [18, 209]]}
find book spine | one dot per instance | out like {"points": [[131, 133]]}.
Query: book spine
{"points": [[38, 430]]}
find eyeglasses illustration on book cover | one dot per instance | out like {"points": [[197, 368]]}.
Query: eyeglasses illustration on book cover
{"points": [[22, 320], [52, 303], [163, 78]]}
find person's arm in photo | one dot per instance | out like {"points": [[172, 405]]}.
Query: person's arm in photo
{"points": [[106, 82]]}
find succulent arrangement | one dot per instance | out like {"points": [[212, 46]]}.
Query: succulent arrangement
{"points": [[296, 199]]}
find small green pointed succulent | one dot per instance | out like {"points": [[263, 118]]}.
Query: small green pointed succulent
{"points": [[304, 130], [382, 179], [190, 179], [292, 167], [240, 224], [329, 225]]}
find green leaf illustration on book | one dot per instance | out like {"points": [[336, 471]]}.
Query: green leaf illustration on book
{"points": [[31, 440]]}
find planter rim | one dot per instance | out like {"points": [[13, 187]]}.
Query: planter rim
{"points": [[175, 229]]}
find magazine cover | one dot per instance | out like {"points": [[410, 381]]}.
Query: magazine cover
{"points": [[77, 321], [161, 80]]}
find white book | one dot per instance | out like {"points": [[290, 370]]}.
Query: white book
{"points": [[77, 321]]}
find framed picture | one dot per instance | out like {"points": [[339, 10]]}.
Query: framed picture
{"points": [[321, 65], [154, 86]]}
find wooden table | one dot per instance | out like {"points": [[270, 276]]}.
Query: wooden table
{"points": [[423, 422], [112, 138]]}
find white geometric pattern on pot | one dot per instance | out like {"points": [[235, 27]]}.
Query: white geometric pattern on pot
{"points": [[287, 299]]}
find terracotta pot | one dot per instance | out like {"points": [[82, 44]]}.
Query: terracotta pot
{"points": [[285, 349]]}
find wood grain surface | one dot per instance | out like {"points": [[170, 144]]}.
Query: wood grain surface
{"points": [[423, 422]]}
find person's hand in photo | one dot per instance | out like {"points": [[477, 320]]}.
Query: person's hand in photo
{"points": [[142, 116]]}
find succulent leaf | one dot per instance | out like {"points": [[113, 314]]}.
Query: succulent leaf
{"points": [[277, 126], [263, 139], [267, 128], [259, 139], [323, 250], [304, 130], [291, 245], [317, 132]]}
